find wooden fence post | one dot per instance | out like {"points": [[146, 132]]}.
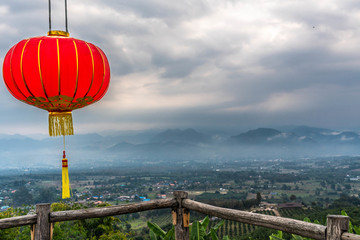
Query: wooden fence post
{"points": [[182, 215], [42, 228], [336, 226]]}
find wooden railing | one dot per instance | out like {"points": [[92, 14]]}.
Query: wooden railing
{"points": [[42, 222]]}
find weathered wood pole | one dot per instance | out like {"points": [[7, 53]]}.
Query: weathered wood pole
{"points": [[336, 226], [181, 230], [32, 231], [42, 228]]}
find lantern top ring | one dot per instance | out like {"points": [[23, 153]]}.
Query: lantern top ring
{"points": [[58, 33]]}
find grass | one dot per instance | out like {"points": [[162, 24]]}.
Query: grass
{"points": [[137, 224]]}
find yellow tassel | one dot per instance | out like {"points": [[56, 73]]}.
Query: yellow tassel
{"points": [[65, 179], [60, 123]]}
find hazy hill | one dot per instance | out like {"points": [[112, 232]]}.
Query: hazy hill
{"points": [[346, 138], [311, 131], [327, 136], [257, 136], [185, 136]]}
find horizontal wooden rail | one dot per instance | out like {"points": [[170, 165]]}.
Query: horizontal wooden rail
{"points": [[301, 228], [350, 236], [337, 225], [17, 221], [111, 211]]}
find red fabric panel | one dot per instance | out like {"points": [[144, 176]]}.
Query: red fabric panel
{"points": [[106, 77], [8, 76], [68, 67], [31, 68], [49, 65], [98, 71], [85, 69], [17, 66]]}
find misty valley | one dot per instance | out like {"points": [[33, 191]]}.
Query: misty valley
{"points": [[178, 147], [305, 172]]}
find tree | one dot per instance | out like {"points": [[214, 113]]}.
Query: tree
{"points": [[292, 197], [107, 228], [19, 233], [198, 230], [113, 235], [258, 198], [284, 197]]}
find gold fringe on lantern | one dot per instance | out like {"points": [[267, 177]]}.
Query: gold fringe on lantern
{"points": [[60, 123], [65, 179]]}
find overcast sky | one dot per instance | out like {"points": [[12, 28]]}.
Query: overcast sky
{"points": [[203, 63]]}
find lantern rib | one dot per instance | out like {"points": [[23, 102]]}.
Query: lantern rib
{"points": [[93, 69], [21, 68], [104, 72], [58, 58], [40, 73], [12, 75], [77, 68]]}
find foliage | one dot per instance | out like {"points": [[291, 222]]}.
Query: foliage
{"points": [[345, 201], [157, 233], [352, 228], [20, 233], [259, 233], [233, 203], [279, 234], [107, 228], [113, 235], [69, 230], [198, 231], [258, 198]]}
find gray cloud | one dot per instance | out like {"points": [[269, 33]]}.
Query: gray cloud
{"points": [[208, 63]]}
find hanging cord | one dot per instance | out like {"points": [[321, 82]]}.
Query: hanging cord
{"points": [[64, 154], [66, 20], [49, 15], [66, 17]]}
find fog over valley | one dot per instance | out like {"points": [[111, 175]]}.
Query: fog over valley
{"points": [[176, 146]]}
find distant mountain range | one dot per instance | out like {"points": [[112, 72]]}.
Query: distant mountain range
{"points": [[298, 136], [175, 146]]}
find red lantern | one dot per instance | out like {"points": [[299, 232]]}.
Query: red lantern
{"points": [[58, 74]]}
